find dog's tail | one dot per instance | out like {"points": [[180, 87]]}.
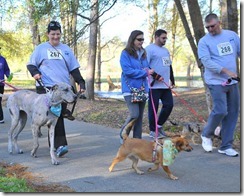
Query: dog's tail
{"points": [[124, 133]]}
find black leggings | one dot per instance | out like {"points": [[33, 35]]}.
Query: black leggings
{"points": [[59, 133], [1, 109]]}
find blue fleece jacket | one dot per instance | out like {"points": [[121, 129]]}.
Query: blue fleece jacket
{"points": [[4, 69], [134, 71]]}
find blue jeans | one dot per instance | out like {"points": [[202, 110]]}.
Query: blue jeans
{"points": [[136, 111], [226, 106], [165, 95]]}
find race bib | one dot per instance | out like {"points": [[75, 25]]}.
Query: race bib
{"points": [[224, 48], [54, 54], [166, 61]]}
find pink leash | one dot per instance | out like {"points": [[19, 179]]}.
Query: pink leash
{"points": [[154, 153], [154, 112], [156, 119], [186, 104], [2, 81]]}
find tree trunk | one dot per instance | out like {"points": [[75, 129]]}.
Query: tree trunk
{"points": [[33, 24], [190, 38], [229, 15], [75, 6], [149, 22], [111, 85], [99, 59], [69, 20], [198, 28], [92, 50], [152, 18], [210, 6], [188, 72], [196, 19], [187, 30], [174, 29]]}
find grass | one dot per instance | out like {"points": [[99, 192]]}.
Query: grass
{"points": [[15, 178], [16, 82], [13, 184]]}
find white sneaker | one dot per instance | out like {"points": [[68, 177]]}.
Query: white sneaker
{"points": [[207, 144], [229, 152]]}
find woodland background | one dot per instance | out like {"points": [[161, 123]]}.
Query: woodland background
{"points": [[83, 23]]}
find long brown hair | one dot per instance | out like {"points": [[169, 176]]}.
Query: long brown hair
{"points": [[130, 44]]}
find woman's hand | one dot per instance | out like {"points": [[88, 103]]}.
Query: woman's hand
{"points": [[150, 71], [37, 76], [157, 77]]}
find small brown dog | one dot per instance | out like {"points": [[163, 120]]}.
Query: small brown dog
{"points": [[136, 149]]}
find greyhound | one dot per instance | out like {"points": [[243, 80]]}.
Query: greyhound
{"points": [[25, 103]]}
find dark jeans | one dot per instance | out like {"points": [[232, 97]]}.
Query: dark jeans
{"points": [[1, 109], [59, 133], [165, 96]]}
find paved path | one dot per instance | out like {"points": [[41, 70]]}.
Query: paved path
{"points": [[91, 150]]}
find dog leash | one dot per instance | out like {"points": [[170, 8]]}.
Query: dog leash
{"points": [[79, 94], [154, 153], [190, 108], [186, 104], [3, 81], [42, 85]]}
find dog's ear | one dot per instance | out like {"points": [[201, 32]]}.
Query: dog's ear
{"points": [[55, 87], [179, 142], [183, 136]]}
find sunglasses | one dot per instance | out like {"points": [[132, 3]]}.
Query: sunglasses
{"points": [[54, 24], [211, 26], [140, 39]]}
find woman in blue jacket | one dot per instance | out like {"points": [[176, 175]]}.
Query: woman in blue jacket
{"points": [[4, 70], [135, 70]]}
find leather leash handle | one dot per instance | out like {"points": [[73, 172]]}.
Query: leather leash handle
{"points": [[40, 82], [42, 85], [237, 79]]}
